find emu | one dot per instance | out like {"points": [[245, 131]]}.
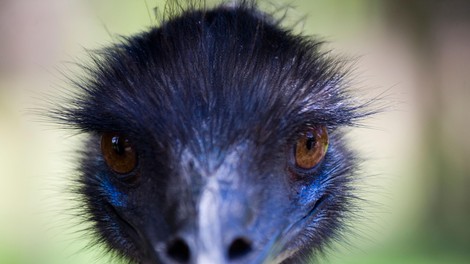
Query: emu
{"points": [[216, 137]]}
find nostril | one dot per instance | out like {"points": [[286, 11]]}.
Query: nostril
{"points": [[179, 251], [239, 248]]}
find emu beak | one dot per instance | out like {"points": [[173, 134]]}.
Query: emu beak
{"points": [[221, 233]]}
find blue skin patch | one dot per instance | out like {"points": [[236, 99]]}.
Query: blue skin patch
{"points": [[309, 193], [313, 191], [115, 197]]}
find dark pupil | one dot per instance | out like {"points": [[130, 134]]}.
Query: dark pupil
{"points": [[310, 141], [118, 145]]}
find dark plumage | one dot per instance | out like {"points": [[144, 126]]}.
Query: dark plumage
{"points": [[196, 129]]}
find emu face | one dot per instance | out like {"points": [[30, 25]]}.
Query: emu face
{"points": [[214, 138]]}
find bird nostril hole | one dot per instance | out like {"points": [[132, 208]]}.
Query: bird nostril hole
{"points": [[179, 251], [239, 248]]}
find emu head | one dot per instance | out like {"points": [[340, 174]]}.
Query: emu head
{"points": [[214, 138]]}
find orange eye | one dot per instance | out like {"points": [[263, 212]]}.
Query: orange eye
{"points": [[311, 147], [118, 152]]}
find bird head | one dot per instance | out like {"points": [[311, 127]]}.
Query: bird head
{"points": [[215, 137]]}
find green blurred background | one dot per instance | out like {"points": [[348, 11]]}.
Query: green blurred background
{"points": [[417, 174]]}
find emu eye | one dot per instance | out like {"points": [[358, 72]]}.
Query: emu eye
{"points": [[118, 152], [311, 147]]}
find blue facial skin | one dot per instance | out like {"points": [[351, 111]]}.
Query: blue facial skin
{"points": [[114, 197], [316, 188], [309, 193]]}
